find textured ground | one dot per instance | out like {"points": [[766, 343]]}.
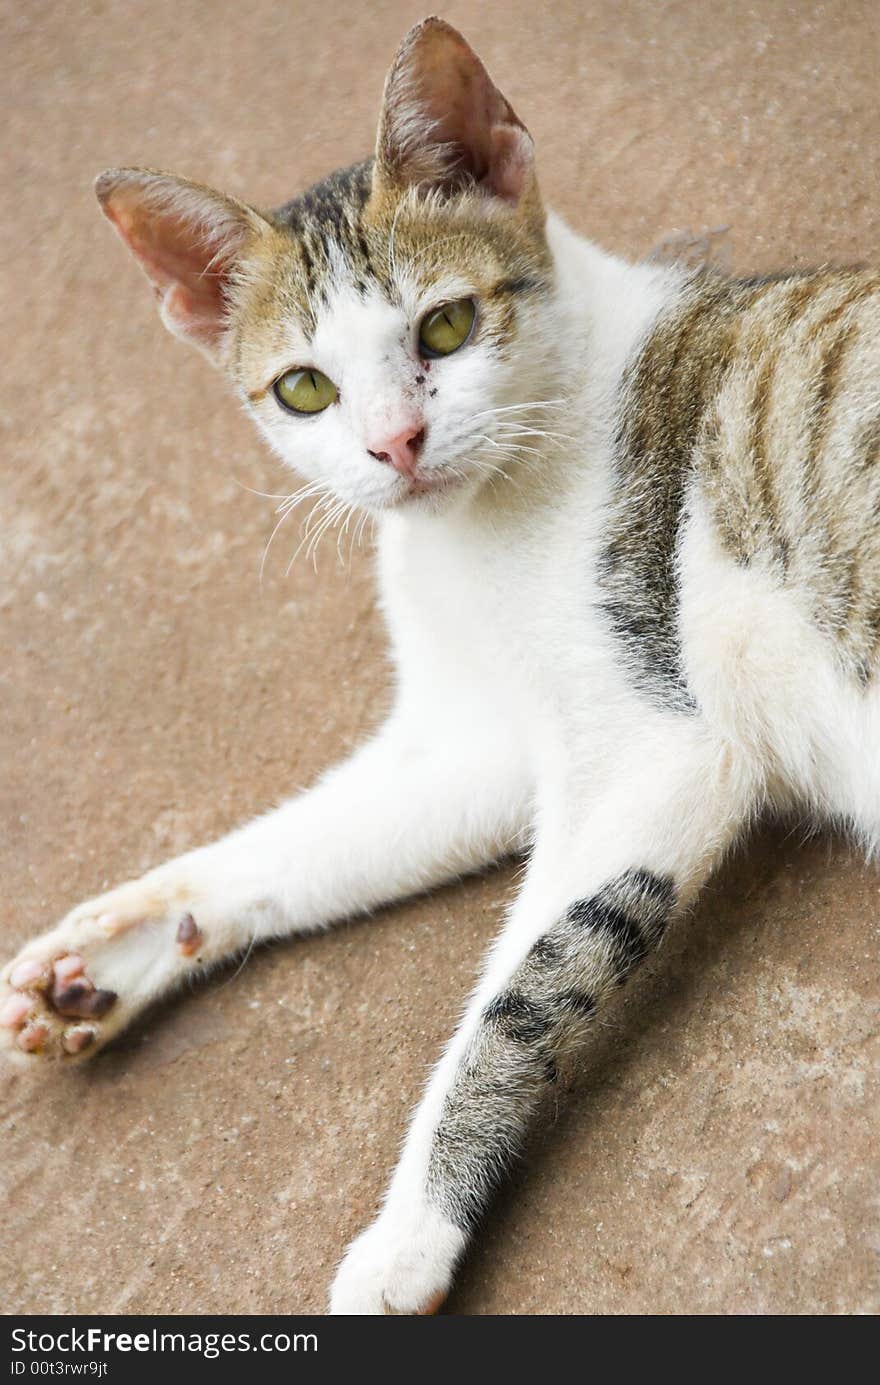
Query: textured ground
{"points": [[718, 1151]]}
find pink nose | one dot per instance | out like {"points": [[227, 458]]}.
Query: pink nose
{"points": [[402, 451]]}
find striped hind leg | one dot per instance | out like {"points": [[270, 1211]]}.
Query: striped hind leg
{"points": [[596, 901]]}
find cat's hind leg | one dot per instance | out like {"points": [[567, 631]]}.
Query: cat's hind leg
{"points": [[598, 897]]}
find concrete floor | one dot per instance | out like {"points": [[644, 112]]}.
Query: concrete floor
{"points": [[718, 1151]]}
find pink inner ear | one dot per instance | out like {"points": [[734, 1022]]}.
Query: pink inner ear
{"points": [[444, 119], [185, 262], [510, 161], [463, 105]]}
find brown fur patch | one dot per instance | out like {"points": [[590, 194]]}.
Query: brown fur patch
{"points": [[379, 235], [665, 397], [788, 458], [764, 394]]}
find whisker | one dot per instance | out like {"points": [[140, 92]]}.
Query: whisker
{"points": [[362, 524], [510, 446], [333, 514], [350, 510], [287, 506], [520, 408], [507, 428], [312, 518], [316, 532], [265, 495]]}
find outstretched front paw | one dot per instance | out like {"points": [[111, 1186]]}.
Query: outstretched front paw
{"points": [[70, 991], [399, 1265], [53, 1004]]}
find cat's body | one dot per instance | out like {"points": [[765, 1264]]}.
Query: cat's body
{"points": [[629, 556]]}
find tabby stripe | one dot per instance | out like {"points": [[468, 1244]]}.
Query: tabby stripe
{"points": [[550, 1001], [800, 299], [518, 1018], [525, 283], [867, 448], [763, 473], [863, 289], [826, 389]]}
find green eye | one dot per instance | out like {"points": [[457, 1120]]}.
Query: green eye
{"points": [[447, 328], [305, 391]]}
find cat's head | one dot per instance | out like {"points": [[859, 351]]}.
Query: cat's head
{"points": [[387, 327]]}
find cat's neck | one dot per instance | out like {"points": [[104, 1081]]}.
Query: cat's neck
{"points": [[605, 304]]}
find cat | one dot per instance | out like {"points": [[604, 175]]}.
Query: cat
{"points": [[628, 545]]}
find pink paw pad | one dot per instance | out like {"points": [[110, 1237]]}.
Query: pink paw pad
{"points": [[14, 1009], [68, 967], [79, 1038], [47, 991], [32, 1037], [28, 974]]}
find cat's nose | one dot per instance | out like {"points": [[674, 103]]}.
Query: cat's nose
{"points": [[401, 451]]}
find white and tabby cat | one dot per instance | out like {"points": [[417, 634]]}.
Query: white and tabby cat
{"points": [[628, 530]]}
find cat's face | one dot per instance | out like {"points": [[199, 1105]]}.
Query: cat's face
{"points": [[382, 326], [382, 335]]}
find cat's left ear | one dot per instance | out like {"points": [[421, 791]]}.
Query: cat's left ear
{"points": [[445, 125], [190, 242]]}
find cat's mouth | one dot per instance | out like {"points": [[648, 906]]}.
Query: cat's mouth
{"points": [[423, 484]]}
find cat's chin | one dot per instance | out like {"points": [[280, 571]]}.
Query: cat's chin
{"points": [[428, 492]]}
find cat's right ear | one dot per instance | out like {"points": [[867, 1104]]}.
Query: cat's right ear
{"points": [[188, 240], [446, 126]]}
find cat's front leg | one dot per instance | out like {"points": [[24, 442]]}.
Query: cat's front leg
{"points": [[406, 812], [597, 900]]}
